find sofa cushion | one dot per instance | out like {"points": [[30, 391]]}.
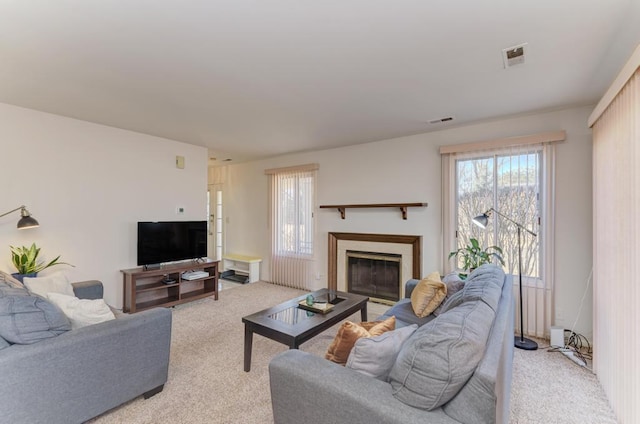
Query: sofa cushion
{"points": [[7, 289], [403, 311], [450, 303], [485, 284], [3, 343], [10, 280], [349, 332], [439, 358], [374, 356], [54, 283], [28, 319], [428, 295], [454, 285], [82, 312]]}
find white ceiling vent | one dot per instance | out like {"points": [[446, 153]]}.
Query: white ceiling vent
{"points": [[441, 120], [513, 56]]}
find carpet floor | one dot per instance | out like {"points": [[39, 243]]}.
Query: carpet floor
{"points": [[207, 383]]}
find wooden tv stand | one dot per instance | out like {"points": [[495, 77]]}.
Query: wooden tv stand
{"points": [[144, 289]]}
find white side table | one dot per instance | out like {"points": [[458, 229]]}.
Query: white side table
{"points": [[243, 265]]}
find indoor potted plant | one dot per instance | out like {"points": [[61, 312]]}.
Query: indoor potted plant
{"points": [[473, 255], [25, 260]]}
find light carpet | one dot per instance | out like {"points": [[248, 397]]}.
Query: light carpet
{"points": [[207, 383]]}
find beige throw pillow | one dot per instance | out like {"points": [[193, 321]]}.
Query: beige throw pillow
{"points": [[428, 295], [350, 332]]}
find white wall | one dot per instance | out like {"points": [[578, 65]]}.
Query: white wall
{"points": [[408, 169], [88, 185]]}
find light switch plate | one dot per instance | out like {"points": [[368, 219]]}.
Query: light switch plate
{"points": [[180, 162]]}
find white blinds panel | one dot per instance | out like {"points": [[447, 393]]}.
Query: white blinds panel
{"points": [[616, 250]]}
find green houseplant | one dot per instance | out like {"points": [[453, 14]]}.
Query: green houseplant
{"points": [[473, 255], [25, 260]]}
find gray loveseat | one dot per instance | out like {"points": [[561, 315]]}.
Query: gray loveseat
{"points": [[79, 374], [475, 325]]}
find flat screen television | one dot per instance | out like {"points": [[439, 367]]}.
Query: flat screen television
{"points": [[168, 241]]}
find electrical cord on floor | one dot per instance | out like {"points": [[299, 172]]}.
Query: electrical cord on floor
{"points": [[576, 345]]}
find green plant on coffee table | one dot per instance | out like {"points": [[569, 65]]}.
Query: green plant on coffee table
{"points": [[25, 259], [473, 255]]}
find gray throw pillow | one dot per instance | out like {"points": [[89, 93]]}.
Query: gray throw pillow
{"points": [[436, 362], [450, 302], [454, 285], [374, 356], [29, 319]]}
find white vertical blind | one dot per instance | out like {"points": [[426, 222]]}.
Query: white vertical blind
{"points": [[616, 250], [292, 225]]}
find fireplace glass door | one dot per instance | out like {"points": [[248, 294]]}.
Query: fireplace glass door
{"points": [[376, 275]]}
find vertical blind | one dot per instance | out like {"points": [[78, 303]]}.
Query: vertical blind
{"points": [[292, 225], [616, 249]]}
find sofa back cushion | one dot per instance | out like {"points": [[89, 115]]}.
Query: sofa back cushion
{"points": [[484, 398], [374, 356], [26, 319], [484, 283], [441, 356]]}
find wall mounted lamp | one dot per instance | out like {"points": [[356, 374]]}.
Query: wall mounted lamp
{"points": [[26, 221]]}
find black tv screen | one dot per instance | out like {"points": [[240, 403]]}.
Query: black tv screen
{"points": [[169, 241]]}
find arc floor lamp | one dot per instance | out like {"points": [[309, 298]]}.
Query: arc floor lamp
{"points": [[481, 221], [26, 220]]}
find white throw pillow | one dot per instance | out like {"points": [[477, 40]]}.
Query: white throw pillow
{"points": [[54, 283], [375, 356], [82, 312]]}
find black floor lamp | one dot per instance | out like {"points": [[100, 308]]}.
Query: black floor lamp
{"points": [[481, 221]]}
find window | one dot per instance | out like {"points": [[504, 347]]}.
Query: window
{"points": [[514, 176], [292, 227], [294, 194], [509, 182]]}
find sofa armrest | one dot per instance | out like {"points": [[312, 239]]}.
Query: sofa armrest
{"points": [[307, 388], [91, 289], [409, 286], [85, 372]]}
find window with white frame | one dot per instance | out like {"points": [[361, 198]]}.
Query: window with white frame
{"points": [[508, 181], [293, 197], [292, 205], [514, 176]]}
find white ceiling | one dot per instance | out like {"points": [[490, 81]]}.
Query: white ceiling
{"points": [[255, 78]]}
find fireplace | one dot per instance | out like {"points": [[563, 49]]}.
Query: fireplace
{"points": [[396, 257], [376, 275]]}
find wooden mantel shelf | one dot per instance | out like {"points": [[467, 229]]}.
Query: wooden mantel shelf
{"points": [[403, 207]]}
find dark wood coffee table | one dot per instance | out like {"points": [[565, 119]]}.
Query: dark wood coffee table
{"points": [[290, 325]]}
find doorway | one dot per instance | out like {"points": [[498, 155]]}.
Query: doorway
{"points": [[216, 223]]}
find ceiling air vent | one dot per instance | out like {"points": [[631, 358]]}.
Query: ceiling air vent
{"points": [[441, 120], [513, 56]]}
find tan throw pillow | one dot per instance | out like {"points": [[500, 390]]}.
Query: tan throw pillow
{"points": [[350, 332], [428, 295]]}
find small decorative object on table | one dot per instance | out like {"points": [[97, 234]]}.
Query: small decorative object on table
{"points": [[310, 304]]}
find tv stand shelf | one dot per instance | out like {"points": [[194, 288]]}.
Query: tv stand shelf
{"points": [[145, 289]]}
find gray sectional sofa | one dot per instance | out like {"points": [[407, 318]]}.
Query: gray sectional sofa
{"points": [[455, 368], [79, 374]]}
